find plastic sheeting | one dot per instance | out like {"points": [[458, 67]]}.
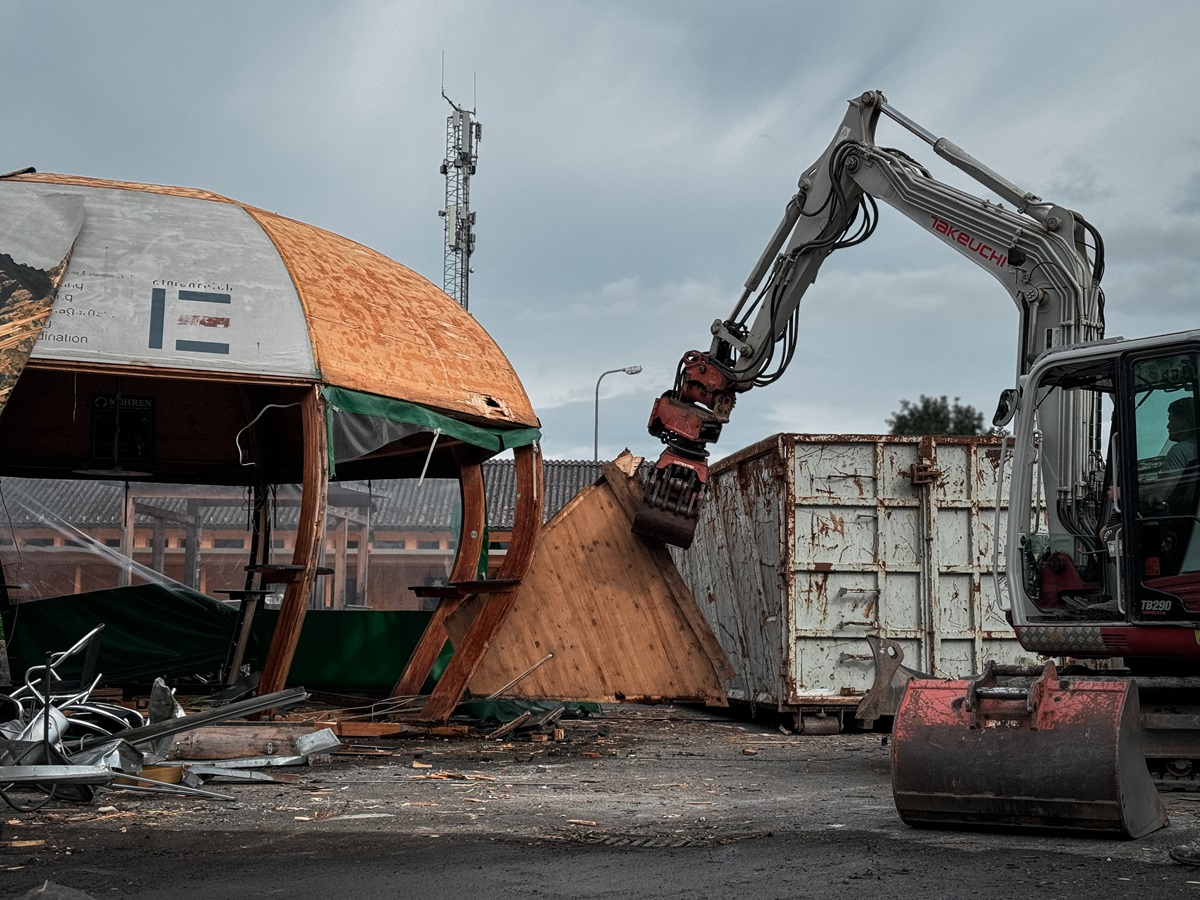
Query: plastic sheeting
{"points": [[170, 281]]}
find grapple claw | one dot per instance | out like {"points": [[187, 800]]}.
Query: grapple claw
{"points": [[660, 525], [671, 501]]}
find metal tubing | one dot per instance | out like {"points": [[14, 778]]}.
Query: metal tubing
{"points": [[148, 733]]}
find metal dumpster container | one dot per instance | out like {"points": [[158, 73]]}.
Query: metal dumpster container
{"points": [[807, 544]]}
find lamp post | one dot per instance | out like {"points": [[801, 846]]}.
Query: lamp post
{"points": [[628, 370]]}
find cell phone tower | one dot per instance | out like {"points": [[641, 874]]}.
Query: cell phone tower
{"points": [[463, 134]]}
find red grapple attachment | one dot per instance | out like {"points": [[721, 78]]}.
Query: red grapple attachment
{"points": [[1018, 749], [686, 419]]}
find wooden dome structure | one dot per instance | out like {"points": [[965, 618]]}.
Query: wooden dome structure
{"points": [[173, 335]]}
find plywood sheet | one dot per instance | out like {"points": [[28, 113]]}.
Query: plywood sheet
{"points": [[611, 608]]}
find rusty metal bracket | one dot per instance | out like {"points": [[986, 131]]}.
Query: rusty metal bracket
{"points": [[923, 472]]}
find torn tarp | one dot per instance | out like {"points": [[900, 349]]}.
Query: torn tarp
{"points": [[37, 233]]}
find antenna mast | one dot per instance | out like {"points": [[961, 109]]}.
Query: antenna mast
{"points": [[463, 134]]}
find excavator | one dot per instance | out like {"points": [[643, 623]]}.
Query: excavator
{"points": [[1102, 552]]}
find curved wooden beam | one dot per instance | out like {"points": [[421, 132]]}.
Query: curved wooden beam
{"points": [[470, 546], [527, 520], [310, 533], [527, 524]]}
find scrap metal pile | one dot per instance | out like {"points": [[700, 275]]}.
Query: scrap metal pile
{"points": [[60, 741]]}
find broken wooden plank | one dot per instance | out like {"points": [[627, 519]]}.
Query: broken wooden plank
{"points": [[547, 717], [510, 726], [393, 729], [247, 739]]}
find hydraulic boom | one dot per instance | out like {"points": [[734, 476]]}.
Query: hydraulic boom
{"points": [[1037, 250]]}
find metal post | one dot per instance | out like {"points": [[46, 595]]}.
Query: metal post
{"points": [[628, 370]]}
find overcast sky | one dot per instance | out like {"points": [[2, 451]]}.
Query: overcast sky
{"points": [[637, 156]]}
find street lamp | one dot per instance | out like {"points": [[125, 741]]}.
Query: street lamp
{"points": [[628, 370]]}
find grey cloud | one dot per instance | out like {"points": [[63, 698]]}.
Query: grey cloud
{"points": [[636, 158], [1187, 202]]}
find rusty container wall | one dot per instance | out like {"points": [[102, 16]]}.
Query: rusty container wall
{"points": [[809, 543]]}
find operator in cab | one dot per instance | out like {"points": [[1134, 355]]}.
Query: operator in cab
{"points": [[1175, 483]]}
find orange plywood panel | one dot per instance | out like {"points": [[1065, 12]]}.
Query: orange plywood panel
{"points": [[610, 607], [379, 327]]}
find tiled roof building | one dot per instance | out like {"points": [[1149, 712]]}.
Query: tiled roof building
{"points": [[62, 537]]}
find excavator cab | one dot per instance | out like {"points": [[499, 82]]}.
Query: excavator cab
{"points": [[1164, 541], [1108, 544]]}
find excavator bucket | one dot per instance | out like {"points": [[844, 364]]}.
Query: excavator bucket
{"points": [[1023, 748]]}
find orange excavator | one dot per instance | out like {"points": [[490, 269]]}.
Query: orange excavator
{"points": [[1101, 546]]}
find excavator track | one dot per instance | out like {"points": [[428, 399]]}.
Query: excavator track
{"points": [[1171, 730]]}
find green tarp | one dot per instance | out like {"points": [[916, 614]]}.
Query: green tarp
{"points": [[354, 651], [149, 630], [343, 400], [177, 633], [507, 710]]}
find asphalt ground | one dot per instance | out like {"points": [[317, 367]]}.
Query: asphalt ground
{"points": [[661, 801]]}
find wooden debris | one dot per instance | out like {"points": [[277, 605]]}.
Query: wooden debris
{"points": [[354, 750], [547, 718], [352, 729], [236, 740], [511, 726], [165, 774]]}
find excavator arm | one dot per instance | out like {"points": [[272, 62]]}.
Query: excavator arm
{"points": [[1039, 252]]}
